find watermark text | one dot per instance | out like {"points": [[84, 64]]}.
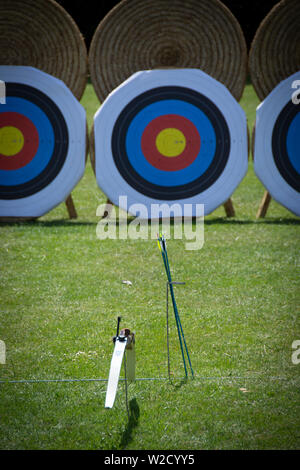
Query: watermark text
{"points": [[296, 353], [185, 221]]}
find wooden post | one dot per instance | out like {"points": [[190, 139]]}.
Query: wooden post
{"points": [[229, 209], [130, 354], [228, 206], [71, 208], [107, 209], [262, 210]]}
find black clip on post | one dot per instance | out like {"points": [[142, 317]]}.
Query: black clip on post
{"points": [[118, 329], [118, 336]]}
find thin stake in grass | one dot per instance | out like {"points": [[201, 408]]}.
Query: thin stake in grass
{"points": [[163, 249]]}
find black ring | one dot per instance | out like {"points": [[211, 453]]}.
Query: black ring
{"points": [[187, 190], [61, 142], [279, 147]]}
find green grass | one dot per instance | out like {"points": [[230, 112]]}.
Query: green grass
{"points": [[61, 292]]}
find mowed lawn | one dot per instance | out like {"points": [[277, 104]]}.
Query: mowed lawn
{"points": [[61, 293]]}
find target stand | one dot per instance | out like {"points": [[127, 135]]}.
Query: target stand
{"points": [[42, 144], [264, 205], [277, 149], [268, 70], [71, 207], [228, 206], [266, 199], [174, 136]]}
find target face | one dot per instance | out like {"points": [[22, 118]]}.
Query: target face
{"points": [[42, 142], [277, 145], [157, 140]]}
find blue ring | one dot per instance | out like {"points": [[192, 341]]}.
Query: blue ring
{"points": [[170, 178], [285, 144], [46, 142]]}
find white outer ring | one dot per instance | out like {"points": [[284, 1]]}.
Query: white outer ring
{"points": [[264, 164], [107, 175], [74, 114]]}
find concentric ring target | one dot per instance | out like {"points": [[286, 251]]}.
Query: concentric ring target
{"points": [[277, 145], [170, 135], [19, 138], [163, 180], [42, 142], [45, 146]]}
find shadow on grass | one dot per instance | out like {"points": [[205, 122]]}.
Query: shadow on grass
{"points": [[133, 421], [265, 221], [122, 222], [279, 221], [48, 223], [178, 385]]}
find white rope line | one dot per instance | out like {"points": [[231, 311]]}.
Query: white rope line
{"points": [[229, 377]]}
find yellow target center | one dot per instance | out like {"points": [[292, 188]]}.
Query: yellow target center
{"points": [[170, 142], [11, 141]]}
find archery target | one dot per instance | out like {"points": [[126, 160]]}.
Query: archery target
{"points": [[170, 136], [42, 142], [277, 147]]}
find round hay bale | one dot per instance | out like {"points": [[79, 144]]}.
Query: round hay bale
{"points": [[40, 33], [144, 35], [275, 49]]}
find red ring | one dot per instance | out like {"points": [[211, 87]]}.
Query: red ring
{"points": [[187, 156], [31, 140]]}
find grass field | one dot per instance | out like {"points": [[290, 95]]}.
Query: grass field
{"points": [[62, 290]]}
